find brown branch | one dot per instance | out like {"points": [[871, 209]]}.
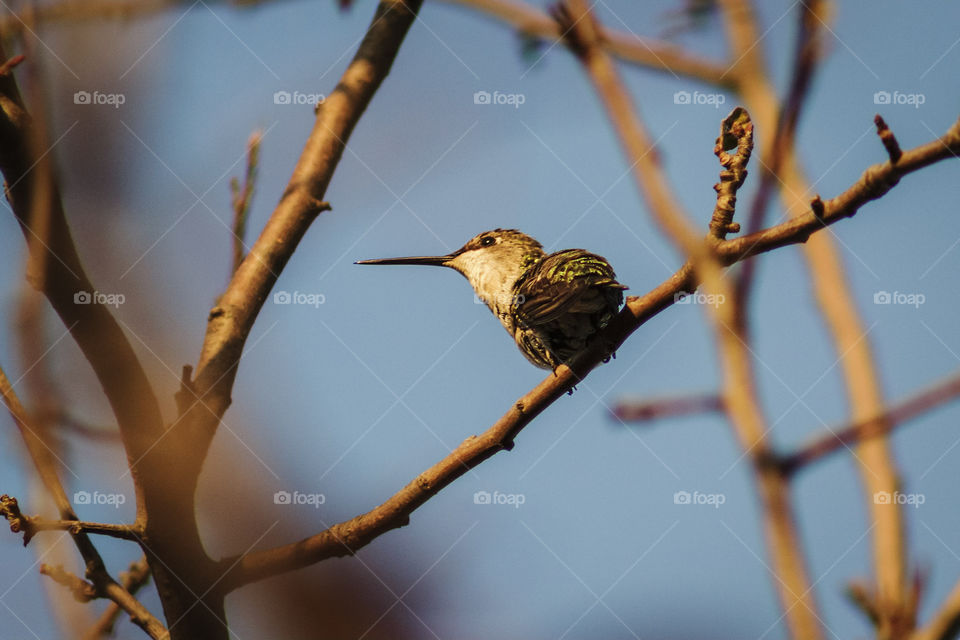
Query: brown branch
{"points": [[349, 536], [232, 318], [82, 590], [241, 197], [583, 36], [945, 624], [835, 302], [807, 54], [96, 571], [527, 20], [647, 52], [121, 531], [56, 270], [135, 578], [842, 437], [888, 139], [657, 408], [30, 526], [740, 400]]}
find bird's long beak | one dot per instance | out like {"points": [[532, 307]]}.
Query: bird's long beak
{"points": [[435, 261]]}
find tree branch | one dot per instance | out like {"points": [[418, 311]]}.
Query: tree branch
{"points": [[96, 571], [55, 269], [530, 21], [946, 621], [647, 52], [844, 436], [657, 408], [806, 55], [349, 536], [230, 321], [241, 198], [836, 304], [120, 531], [132, 580]]}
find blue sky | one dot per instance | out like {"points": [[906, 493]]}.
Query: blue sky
{"points": [[354, 397]]}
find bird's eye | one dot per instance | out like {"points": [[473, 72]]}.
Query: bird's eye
{"points": [[488, 241]]}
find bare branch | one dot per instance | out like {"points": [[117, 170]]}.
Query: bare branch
{"points": [[135, 578], [836, 303], [349, 536], [657, 408], [20, 523], [121, 531], [241, 197], [55, 268], [82, 590], [946, 621], [842, 437], [807, 53], [888, 139], [231, 320], [647, 52], [105, 585]]}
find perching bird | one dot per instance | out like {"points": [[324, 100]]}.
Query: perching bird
{"points": [[550, 304]]}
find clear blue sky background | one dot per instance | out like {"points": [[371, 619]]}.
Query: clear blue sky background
{"points": [[355, 397]]}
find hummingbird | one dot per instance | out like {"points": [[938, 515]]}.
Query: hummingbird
{"points": [[550, 304]]}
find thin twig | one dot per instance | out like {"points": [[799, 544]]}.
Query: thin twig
{"points": [[658, 408], [133, 579], [945, 623], [232, 318], [30, 526], [807, 53], [841, 438], [651, 53], [121, 531], [82, 590], [241, 197]]}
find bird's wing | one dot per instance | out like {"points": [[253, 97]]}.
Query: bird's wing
{"points": [[559, 284]]}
